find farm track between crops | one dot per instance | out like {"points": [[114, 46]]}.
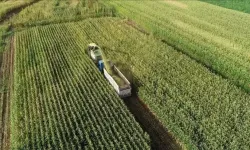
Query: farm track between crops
{"points": [[161, 139], [16, 11], [7, 69]]}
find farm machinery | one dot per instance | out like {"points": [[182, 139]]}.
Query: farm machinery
{"points": [[119, 82]]}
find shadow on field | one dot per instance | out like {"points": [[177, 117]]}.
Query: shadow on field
{"points": [[160, 138]]}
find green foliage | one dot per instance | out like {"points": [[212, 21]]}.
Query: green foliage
{"points": [[217, 38], [240, 5], [62, 101], [109, 68], [7, 6], [56, 11], [3, 34], [200, 108]]}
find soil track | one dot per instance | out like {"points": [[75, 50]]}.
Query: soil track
{"points": [[14, 11], [161, 139], [7, 84]]}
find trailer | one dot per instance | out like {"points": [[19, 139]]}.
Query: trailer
{"points": [[119, 82]]}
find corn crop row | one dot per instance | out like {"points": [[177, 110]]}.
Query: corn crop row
{"points": [[56, 11], [62, 101], [216, 37], [203, 110]]}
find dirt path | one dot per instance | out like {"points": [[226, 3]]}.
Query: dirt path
{"points": [[15, 11], [6, 82], [7, 78], [161, 139]]}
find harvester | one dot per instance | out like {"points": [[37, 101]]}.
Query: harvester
{"points": [[110, 71]]}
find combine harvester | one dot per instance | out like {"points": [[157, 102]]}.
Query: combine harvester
{"points": [[111, 72]]}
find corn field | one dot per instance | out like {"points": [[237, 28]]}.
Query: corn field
{"points": [[201, 109], [7, 6], [216, 37], [242, 5], [61, 100], [188, 61], [3, 30], [57, 11]]}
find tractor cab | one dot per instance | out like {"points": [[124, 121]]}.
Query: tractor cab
{"points": [[95, 52]]}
